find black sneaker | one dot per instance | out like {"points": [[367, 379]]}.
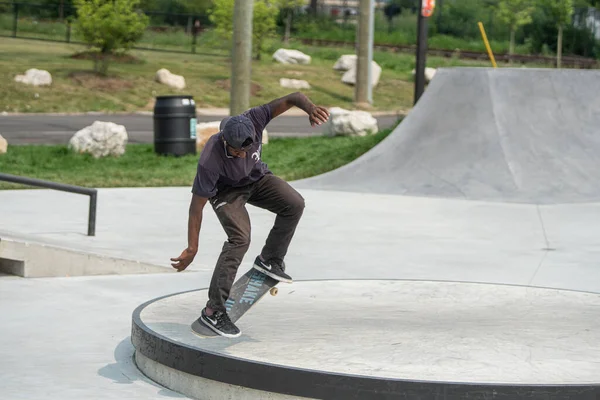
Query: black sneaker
{"points": [[220, 323], [273, 269]]}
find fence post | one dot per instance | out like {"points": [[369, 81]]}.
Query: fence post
{"points": [[16, 19]]}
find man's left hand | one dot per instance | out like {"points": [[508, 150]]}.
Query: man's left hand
{"points": [[318, 115]]}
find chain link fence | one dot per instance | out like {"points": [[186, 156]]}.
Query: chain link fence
{"points": [[453, 26]]}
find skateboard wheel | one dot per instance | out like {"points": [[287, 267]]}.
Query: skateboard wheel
{"points": [[273, 291]]}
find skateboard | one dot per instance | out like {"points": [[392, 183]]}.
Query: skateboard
{"points": [[245, 292]]}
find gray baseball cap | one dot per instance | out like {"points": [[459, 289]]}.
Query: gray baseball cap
{"points": [[237, 130]]}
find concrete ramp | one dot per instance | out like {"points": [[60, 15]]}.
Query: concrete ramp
{"points": [[514, 135]]}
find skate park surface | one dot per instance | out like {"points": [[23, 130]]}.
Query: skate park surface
{"points": [[457, 257]]}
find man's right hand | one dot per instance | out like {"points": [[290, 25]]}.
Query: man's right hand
{"points": [[195, 220], [184, 260]]}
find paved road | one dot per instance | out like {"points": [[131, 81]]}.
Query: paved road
{"points": [[58, 129]]}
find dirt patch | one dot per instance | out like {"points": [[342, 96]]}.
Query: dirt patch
{"points": [[119, 58], [93, 80], [255, 88]]}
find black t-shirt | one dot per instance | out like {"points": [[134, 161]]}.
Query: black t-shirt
{"points": [[218, 170]]}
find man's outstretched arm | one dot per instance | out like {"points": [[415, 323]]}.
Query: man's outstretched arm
{"points": [[194, 222], [316, 114]]}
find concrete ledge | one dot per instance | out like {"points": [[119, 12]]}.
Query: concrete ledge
{"points": [[200, 388], [35, 260], [449, 340]]}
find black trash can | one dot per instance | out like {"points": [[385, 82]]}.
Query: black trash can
{"points": [[175, 125]]}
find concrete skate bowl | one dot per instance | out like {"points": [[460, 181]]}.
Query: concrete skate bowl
{"points": [[508, 135]]}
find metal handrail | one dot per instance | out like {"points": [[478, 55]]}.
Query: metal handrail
{"points": [[93, 193]]}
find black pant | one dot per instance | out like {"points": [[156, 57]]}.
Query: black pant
{"points": [[271, 193]]}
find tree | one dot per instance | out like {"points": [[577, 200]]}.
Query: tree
{"points": [[195, 6], [288, 7], [109, 27], [560, 11], [514, 13], [394, 8], [264, 21]]}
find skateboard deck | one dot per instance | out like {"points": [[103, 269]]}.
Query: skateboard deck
{"points": [[245, 292]]}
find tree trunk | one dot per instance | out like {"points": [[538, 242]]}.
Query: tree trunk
{"points": [[104, 60], [313, 7], [96, 56], [288, 27], [257, 52], [362, 62], [559, 47]]}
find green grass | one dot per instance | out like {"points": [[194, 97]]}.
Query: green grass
{"points": [[130, 86], [290, 158]]}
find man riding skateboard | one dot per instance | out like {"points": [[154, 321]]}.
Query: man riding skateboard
{"points": [[230, 174]]}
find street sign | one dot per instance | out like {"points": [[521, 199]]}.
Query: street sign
{"points": [[427, 7]]}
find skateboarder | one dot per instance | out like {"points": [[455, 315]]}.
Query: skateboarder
{"points": [[230, 174]]}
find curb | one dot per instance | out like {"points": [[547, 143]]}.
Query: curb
{"points": [[217, 112]]}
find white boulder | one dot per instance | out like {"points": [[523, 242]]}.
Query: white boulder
{"points": [[294, 83], [35, 77], [349, 76], [291, 56], [429, 74], [3, 145], [100, 139], [350, 123], [205, 130], [165, 77], [345, 62]]}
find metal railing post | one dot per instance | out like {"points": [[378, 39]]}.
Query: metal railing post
{"points": [[93, 193], [92, 215]]}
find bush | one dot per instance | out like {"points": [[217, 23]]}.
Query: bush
{"points": [[109, 27]]}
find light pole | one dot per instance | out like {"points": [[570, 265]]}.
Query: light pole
{"points": [[241, 57], [425, 11], [364, 58]]}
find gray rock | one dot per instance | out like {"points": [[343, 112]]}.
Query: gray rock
{"points": [[35, 77], [290, 56], [294, 83], [345, 62], [350, 123], [165, 77], [350, 76], [100, 139]]}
